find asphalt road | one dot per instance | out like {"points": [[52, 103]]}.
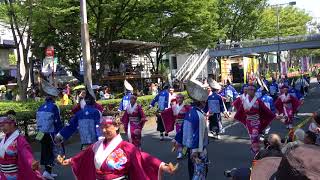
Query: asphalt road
{"points": [[232, 151]]}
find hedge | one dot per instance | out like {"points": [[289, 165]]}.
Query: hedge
{"points": [[26, 111]]}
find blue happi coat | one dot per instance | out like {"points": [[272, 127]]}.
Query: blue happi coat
{"points": [[214, 104], [125, 101], [259, 92], [274, 88], [287, 82], [266, 82], [189, 136], [268, 101], [48, 118], [87, 121], [295, 93], [162, 99], [230, 91]]}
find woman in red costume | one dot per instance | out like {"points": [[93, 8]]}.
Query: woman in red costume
{"points": [[112, 158]]}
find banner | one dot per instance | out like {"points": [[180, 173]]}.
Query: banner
{"points": [[47, 66], [55, 64], [255, 66], [304, 64], [284, 68], [245, 68], [81, 66]]}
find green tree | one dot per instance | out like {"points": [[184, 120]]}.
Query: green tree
{"points": [[239, 18], [57, 23], [178, 25], [19, 15], [107, 19], [293, 21], [12, 59]]}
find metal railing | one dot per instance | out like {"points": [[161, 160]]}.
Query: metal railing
{"points": [[182, 72], [202, 62], [268, 41]]}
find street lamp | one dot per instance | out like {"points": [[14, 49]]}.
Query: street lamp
{"points": [[292, 3]]}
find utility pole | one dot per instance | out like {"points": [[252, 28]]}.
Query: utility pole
{"points": [[85, 44]]}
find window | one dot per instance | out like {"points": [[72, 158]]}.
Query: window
{"points": [[174, 62]]}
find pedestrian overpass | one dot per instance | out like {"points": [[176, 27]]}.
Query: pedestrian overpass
{"points": [[197, 62], [267, 45]]}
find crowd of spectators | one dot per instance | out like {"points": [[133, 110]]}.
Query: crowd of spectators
{"points": [[275, 147]]}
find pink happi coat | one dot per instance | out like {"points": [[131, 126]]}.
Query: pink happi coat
{"points": [[119, 158], [255, 116], [19, 152], [174, 116], [239, 101], [133, 121], [287, 105]]}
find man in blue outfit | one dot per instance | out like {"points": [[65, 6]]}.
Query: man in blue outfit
{"points": [[215, 107], [163, 103], [48, 125], [126, 99], [194, 133], [274, 89], [230, 93], [87, 121]]}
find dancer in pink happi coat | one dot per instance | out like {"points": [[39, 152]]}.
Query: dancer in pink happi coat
{"points": [[175, 116], [133, 121], [255, 116], [16, 159], [112, 158], [288, 105]]}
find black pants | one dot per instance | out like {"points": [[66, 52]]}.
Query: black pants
{"points": [[215, 123], [47, 155], [190, 165], [160, 126], [229, 106]]}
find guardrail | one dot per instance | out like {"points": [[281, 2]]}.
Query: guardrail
{"points": [[268, 41]]}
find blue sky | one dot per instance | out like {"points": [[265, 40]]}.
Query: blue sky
{"points": [[310, 6]]}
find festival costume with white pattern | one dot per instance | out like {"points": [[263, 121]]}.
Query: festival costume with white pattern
{"points": [[174, 116], [194, 133], [16, 157], [133, 121], [255, 116], [288, 105], [114, 159]]}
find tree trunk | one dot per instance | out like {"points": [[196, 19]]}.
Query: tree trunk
{"points": [[22, 47]]}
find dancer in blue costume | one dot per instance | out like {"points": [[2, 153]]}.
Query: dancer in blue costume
{"points": [[126, 98], [48, 125], [274, 89], [214, 108], [163, 103], [86, 121], [194, 133]]}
